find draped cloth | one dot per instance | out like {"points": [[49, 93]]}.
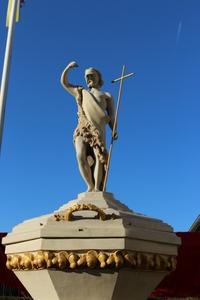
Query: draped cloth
{"points": [[91, 124]]}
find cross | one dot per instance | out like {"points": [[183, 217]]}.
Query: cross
{"points": [[120, 79]]}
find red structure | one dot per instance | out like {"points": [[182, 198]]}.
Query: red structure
{"points": [[185, 280], [9, 284]]}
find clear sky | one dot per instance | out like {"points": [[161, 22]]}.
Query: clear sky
{"points": [[155, 167]]}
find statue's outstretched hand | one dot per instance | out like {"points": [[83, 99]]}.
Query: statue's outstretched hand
{"points": [[72, 64]]}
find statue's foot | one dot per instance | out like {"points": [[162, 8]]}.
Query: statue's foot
{"points": [[96, 190], [90, 189]]}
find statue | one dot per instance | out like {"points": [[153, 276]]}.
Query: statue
{"points": [[95, 111]]}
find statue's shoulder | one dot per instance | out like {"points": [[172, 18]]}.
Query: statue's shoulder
{"points": [[80, 88], [108, 95]]}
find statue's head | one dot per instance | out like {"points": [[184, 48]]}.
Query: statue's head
{"points": [[93, 78]]}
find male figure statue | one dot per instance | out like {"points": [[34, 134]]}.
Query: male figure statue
{"points": [[95, 110]]}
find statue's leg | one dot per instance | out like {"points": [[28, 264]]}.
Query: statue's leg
{"points": [[98, 172], [84, 167]]}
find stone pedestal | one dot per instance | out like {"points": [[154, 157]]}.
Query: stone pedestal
{"points": [[92, 248]]}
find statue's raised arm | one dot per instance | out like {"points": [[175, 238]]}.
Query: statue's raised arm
{"points": [[72, 89]]}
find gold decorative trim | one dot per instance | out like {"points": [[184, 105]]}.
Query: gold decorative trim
{"points": [[68, 214], [92, 259]]}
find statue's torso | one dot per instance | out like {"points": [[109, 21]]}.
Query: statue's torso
{"points": [[100, 97]]}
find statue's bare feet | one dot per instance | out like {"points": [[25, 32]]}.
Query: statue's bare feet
{"points": [[90, 189]]}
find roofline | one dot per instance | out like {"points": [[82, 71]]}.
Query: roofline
{"points": [[195, 224]]}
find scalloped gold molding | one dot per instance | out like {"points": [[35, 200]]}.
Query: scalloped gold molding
{"points": [[92, 259]]}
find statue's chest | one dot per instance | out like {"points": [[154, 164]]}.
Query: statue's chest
{"points": [[100, 98]]}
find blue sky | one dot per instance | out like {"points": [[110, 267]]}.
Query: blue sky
{"points": [[155, 167]]}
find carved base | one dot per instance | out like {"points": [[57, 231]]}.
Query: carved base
{"points": [[92, 248]]}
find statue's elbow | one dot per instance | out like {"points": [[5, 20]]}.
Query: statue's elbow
{"points": [[63, 82]]}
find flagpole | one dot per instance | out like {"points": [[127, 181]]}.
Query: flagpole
{"points": [[6, 67]]}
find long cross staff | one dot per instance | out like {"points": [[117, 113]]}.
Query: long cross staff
{"points": [[115, 122]]}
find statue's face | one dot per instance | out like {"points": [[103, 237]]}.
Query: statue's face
{"points": [[92, 80]]}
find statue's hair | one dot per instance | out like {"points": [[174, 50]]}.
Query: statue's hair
{"points": [[93, 70]]}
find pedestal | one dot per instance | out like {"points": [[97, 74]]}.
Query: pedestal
{"points": [[92, 248]]}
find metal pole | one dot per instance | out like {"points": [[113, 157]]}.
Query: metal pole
{"points": [[6, 67], [114, 129]]}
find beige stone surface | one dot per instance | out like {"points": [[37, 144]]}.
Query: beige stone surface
{"points": [[103, 200], [90, 285], [128, 231]]}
